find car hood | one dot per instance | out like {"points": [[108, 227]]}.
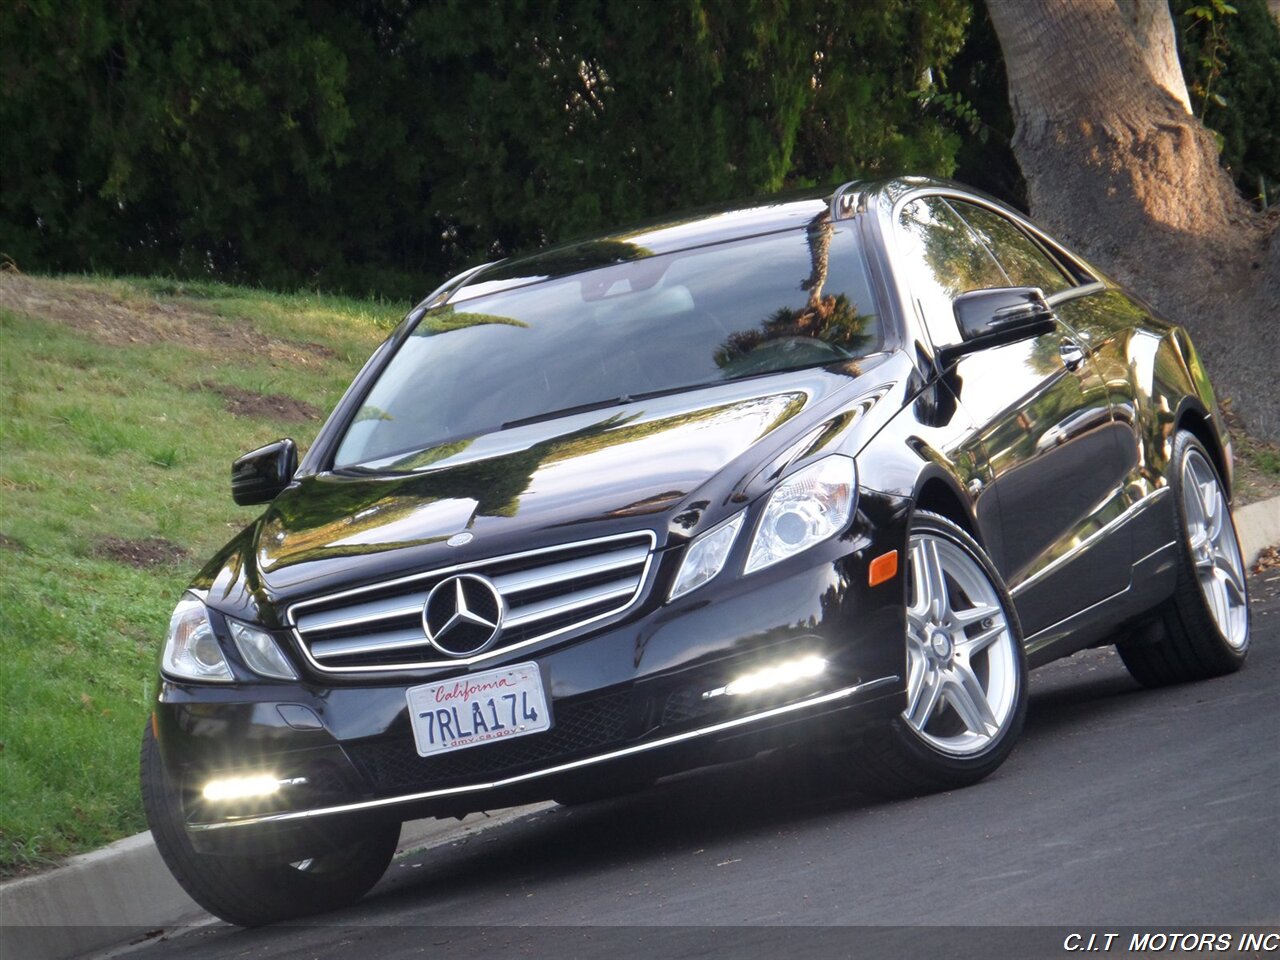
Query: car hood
{"points": [[648, 464]]}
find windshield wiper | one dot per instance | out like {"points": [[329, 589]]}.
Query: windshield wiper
{"points": [[569, 411]]}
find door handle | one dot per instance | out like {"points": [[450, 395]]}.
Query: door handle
{"points": [[1071, 353]]}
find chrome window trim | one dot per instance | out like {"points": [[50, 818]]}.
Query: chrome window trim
{"points": [[641, 588], [832, 697], [1072, 293], [952, 193]]}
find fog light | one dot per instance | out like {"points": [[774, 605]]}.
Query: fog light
{"points": [[787, 672], [242, 788]]}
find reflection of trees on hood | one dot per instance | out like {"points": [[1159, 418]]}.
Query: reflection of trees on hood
{"points": [[831, 318], [337, 508]]}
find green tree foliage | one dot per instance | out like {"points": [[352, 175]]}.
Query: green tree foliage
{"points": [[1230, 54], [378, 144], [976, 96], [141, 136]]}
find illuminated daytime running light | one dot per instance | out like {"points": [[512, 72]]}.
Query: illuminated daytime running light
{"points": [[782, 674], [243, 788]]}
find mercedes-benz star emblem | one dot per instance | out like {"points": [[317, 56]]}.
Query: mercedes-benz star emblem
{"points": [[463, 614]]}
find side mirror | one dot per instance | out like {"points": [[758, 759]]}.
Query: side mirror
{"points": [[259, 476], [988, 318]]}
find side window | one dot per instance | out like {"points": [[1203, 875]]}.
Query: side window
{"points": [[944, 259], [1022, 258]]}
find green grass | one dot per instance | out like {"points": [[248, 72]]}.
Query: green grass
{"points": [[116, 439]]}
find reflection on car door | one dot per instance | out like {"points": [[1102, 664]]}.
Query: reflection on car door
{"points": [[1042, 413]]}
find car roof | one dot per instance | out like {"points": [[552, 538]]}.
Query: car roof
{"points": [[744, 219], [707, 225]]}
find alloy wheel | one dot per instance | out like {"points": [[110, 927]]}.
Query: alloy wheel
{"points": [[1214, 549], [962, 665]]}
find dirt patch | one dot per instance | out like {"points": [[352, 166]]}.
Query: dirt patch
{"points": [[149, 552], [1255, 462], [320, 350], [120, 321], [9, 543], [270, 406]]}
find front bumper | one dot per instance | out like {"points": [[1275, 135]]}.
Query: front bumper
{"points": [[626, 701]]}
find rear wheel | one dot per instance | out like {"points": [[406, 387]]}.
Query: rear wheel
{"points": [[966, 672], [1206, 621], [247, 891]]}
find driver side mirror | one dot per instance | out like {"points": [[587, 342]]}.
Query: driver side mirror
{"points": [[988, 318], [260, 475]]}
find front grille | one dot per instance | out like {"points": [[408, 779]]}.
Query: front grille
{"points": [[546, 592], [588, 727]]}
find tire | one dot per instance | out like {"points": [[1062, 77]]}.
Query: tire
{"points": [[966, 673], [1204, 626], [249, 892]]}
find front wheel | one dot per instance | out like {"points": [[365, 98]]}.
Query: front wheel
{"points": [[966, 672], [247, 891]]}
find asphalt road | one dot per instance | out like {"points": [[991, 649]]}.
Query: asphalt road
{"points": [[1121, 808]]}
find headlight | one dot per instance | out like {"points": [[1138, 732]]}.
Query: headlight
{"points": [[808, 507], [191, 651], [706, 556], [260, 651]]}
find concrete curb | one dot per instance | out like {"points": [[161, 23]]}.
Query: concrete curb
{"points": [[122, 892], [1259, 527]]}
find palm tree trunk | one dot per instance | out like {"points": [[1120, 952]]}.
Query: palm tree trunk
{"points": [[1116, 163]]}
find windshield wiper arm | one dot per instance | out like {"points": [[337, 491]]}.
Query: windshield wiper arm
{"points": [[569, 411]]}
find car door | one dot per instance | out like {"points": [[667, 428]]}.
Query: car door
{"points": [[1043, 418]]}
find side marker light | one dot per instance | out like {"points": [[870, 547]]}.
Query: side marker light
{"points": [[883, 568]]}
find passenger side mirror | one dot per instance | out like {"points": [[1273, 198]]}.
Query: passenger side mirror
{"points": [[259, 476], [988, 318]]}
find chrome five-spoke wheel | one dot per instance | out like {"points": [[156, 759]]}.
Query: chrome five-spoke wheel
{"points": [[1211, 539], [963, 672], [1202, 630]]}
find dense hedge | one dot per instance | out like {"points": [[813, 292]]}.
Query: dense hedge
{"points": [[375, 145], [1231, 56]]}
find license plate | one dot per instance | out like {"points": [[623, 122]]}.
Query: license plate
{"points": [[477, 709]]}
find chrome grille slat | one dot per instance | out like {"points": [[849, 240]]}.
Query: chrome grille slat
{"points": [[544, 576], [387, 608], [546, 592], [543, 609], [397, 640]]}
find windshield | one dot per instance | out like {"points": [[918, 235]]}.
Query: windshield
{"points": [[649, 325]]}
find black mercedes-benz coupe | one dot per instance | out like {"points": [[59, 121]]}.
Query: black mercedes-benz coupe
{"points": [[830, 470]]}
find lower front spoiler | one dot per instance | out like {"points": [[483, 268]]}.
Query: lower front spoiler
{"points": [[296, 831]]}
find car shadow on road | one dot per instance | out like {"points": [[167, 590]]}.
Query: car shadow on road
{"points": [[679, 814], [773, 794]]}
